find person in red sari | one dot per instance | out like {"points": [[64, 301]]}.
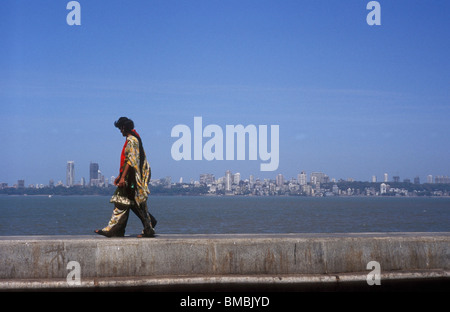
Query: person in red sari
{"points": [[132, 185]]}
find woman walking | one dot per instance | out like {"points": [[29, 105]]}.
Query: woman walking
{"points": [[132, 185]]}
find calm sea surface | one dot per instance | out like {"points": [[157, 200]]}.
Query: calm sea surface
{"points": [[80, 215]]}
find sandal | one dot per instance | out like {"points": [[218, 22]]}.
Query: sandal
{"points": [[100, 232], [107, 234], [151, 233]]}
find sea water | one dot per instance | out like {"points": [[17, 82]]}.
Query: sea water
{"points": [[81, 215]]}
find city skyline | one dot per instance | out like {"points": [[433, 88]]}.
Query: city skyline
{"points": [[232, 184], [350, 99], [96, 178]]}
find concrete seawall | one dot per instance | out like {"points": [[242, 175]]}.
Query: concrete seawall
{"points": [[224, 262]]}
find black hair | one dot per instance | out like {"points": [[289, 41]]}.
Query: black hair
{"points": [[124, 122], [128, 125]]}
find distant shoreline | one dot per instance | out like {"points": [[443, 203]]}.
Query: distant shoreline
{"points": [[339, 189], [227, 196]]}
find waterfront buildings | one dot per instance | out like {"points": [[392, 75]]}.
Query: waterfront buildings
{"points": [[319, 184]]}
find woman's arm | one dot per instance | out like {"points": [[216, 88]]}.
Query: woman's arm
{"points": [[123, 175]]}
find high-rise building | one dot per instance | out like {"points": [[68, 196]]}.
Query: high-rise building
{"points": [[228, 180], [383, 188], [385, 177], [237, 178], [335, 189], [429, 178], [206, 178], [93, 173], [70, 173], [280, 179], [374, 179], [319, 177], [442, 179], [301, 177]]}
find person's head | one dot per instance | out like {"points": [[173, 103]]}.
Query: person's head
{"points": [[125, 125]]}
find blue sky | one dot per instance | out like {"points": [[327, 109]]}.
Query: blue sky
{"points": [[351, 100]]}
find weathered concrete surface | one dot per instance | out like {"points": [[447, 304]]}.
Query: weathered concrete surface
{"points": [[40, 262]]}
